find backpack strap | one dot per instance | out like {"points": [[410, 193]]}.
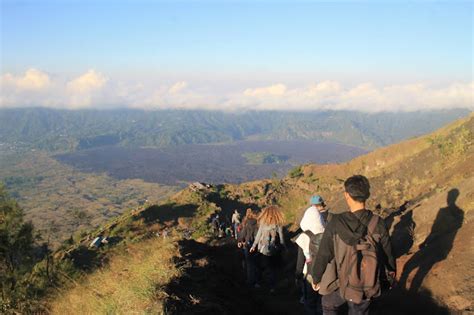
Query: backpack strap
{"points": [[309, 233], [374, 220], [372, 224]]}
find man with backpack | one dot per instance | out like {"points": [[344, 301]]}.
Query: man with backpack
{"points": [[312, 224], [354, 253]]}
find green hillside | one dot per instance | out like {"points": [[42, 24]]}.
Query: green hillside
{"points": [[63, 130]]}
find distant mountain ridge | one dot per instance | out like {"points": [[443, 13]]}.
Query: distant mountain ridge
{"points": [[65, 130]]}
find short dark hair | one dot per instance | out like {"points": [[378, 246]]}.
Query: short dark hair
{"points": [[358, 187]]}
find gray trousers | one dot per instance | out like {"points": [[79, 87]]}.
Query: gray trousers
{"points": [[334, 304]]}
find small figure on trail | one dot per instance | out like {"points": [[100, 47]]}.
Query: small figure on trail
{"points": [[215, 224], [245, 241], [270, 241], [312, 224], [96, 242], [355, 251], [235, 221], [228, 232]]}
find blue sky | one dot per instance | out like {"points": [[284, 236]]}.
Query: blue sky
{"points": [[241, 44]]}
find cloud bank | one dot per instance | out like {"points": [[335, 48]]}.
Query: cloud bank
{"points": [[93, 89]]}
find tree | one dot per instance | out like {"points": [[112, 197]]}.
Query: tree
{"points": [[16, 247]]}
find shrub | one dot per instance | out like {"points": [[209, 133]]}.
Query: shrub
{"points": [[296, 172]]}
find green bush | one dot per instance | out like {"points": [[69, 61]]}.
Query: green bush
{"points": [[296, 172]]}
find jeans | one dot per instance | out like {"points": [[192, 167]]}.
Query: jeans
{"points": [[333, 303], [236, 227]]}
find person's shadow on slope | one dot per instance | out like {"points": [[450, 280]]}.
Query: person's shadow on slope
{"points": [[403, 233], [437, 245]]}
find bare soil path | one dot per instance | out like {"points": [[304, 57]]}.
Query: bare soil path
{"points": [[214, 283]]}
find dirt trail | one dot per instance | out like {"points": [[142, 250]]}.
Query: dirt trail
{"points": [[214, 283], [213, 280]]}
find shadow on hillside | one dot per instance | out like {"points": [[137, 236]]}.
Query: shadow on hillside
{"points": [[408, 297], [85, 258], [167, 212], [391, 217], [400, 301], [402, 236], [228, 205], [437, 245]]}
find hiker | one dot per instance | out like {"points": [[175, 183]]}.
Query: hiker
{"points": [[245, 240], [312, 224], [235, 221], [270, 241], [221, 230], [215, 224], [229, 232], [352, 239]]}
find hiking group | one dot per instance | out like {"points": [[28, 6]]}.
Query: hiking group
{"points": [[344, 260]]}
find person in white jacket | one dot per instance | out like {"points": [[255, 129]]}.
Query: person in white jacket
{"points": [[235, 222], [312, 224]]}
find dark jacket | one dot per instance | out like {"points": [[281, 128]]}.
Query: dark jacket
{"points": [[248, 233], [300, 261], [350, 227]]}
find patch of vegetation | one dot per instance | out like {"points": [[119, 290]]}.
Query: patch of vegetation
{"points": [[131, 283], [201, 224], [455, 144], [296, 172], [259, 158], [19, 182]]}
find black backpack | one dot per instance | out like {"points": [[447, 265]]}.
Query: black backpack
{"points": [[314, 243]]}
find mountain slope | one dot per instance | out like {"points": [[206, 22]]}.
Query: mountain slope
{"points": [[424, 188], [62, 130]]}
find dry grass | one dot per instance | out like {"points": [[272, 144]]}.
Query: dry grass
{"points": [[130, 284]]}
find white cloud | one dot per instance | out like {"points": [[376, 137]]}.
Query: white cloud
{"points": [[178, 87], [84, 88], [33, 79], [272, 90], [89, 81], [363, 97], [93, 89]]}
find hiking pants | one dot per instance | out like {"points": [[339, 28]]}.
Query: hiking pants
{"points": [[333, 303], [251, 266]]}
